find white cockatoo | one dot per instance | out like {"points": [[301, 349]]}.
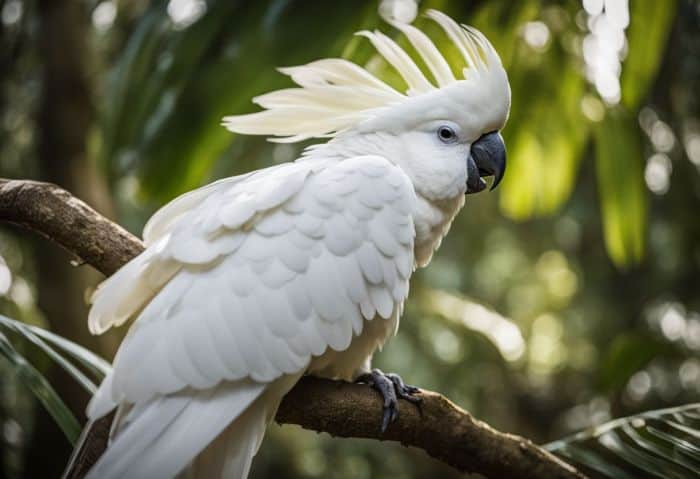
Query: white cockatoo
{"points": [[251, 282]]}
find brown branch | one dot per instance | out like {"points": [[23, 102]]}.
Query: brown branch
{"points": [[64, 219], [440, 428]]}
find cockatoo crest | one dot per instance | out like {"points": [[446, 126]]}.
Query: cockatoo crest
{"points": [[335, 95]]}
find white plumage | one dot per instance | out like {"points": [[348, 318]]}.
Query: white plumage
{"points": [[250, 282], [232, 304]]}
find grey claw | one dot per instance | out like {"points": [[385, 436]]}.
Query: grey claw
{"points": [[391, 387], [387, 416], [404, 391]]}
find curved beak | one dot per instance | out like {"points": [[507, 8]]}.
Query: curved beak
{"points": [[487, 158]]}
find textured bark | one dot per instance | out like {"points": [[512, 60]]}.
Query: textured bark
{"points": [[62, 218], [440, 428]]}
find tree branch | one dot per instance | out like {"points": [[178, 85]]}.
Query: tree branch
{"points": [[59, 216], [440, 428]]}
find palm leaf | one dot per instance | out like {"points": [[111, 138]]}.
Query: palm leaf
{"points": [[39, 338], [655, 444], [98, 366], [62, 353], [41, 388]]}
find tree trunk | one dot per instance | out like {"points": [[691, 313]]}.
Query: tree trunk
{"points": [[65, 118]]}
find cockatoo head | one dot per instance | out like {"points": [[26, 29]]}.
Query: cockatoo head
{"points": [[443, 131]]}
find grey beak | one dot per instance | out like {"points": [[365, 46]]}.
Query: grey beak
{"points": [[487, 158]]}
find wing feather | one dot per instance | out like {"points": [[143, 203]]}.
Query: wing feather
{"points": [[256, 275]]}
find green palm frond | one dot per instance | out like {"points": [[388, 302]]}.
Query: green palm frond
{"points": [[94, 363], [656, 444], [40, 387], [62, 352]]}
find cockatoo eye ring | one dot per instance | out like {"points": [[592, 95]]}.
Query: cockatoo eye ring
{"points": [[446, 134]]}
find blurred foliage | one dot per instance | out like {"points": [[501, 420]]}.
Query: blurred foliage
{"points": [[624, 202], [66, 354], [171, 87], [204, 72], [42, 390], [649, 40], [566, 298]]}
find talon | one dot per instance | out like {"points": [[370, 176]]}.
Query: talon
{"points": [[387, 416], [391, 387], [404, 391]]}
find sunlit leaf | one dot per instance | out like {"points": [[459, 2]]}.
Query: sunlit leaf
{"points": [[545, 150], [41, 388], [518, 191], [621, 185], [657, 444], [647, 36]]}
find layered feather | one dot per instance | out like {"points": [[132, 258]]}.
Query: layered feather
{"points": [[257, 288], [159, 438], [241, 285]]}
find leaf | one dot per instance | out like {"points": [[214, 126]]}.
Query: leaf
{"points": [[518, 196], [167, 125], [627, 354], [87, 358], [119, 120], [41, 388], [623, 196], [647, 36], [98, 366], [74, 372], [545, 149], [656, 444]]}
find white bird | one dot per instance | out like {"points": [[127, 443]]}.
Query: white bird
{"points": [[251, 282]]}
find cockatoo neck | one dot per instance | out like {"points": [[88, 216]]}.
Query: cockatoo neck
{"points": [[431, 217]]}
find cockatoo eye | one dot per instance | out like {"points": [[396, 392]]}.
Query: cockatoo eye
{"points": [[446, 134]]}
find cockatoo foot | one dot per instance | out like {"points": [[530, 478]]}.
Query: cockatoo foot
{"points": [[392, 388]]}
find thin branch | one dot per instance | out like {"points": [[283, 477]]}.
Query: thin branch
{"points": [[440, 428]]}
